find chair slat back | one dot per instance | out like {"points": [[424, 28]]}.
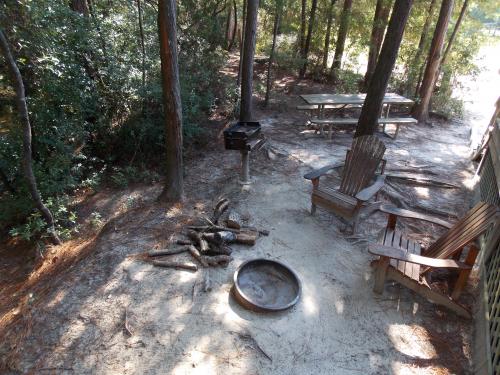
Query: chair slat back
{"points": [[361, 164], [471, 226]]}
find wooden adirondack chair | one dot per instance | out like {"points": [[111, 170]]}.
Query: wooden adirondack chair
{"points": [[360, 167], [404, 261]]}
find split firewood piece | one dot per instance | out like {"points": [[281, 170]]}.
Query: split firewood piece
{"points": [[221, 206], [196, 255], [207, 284], [176, 265], [163, 252], [219, 250], [199, 240], [246, 238], [218, 260], [234, 220], [183, 242]]}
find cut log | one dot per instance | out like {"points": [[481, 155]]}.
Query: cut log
{"points": [[183, 242], [234, 220], [176, 265], [219, 209], [246, 238], [218, 260], [196, 255], [199, 240], [163, 252]]}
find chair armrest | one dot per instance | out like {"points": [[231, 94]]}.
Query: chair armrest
{"points": [[316, 173], [389, 209], [399, 254], [368, 192]]}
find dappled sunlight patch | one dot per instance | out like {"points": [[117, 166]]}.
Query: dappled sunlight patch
{"points": [[422, 192], [173, 211], [412, 341]]}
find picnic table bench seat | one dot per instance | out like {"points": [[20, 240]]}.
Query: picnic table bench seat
{"points": [[353, 121]]}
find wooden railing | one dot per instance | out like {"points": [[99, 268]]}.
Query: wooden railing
{"points": [[487, 317]]}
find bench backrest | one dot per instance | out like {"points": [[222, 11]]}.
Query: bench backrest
{"points": [[361, 164], [467, 229]]}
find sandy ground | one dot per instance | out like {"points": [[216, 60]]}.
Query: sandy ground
{"points": [[338, 327]]}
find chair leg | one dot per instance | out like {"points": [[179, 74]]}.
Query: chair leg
{"points": [[381, 274]]}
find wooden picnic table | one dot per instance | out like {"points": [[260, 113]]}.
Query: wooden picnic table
{"points": [[351, 99], [340, 101]]}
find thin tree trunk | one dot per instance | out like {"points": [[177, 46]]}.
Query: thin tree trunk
{"points": [[370, 113], [248, 56], [143, 48], [302, 32], [415, 63], [243, 28], [328, 34], [235, 27], [342, 35], [452, 37], [421, 109], [271, 55], [25, 121], [307, 44], [174, 188], [382, 10], [6, 182], [419, 78]]}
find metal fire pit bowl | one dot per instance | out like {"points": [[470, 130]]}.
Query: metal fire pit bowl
{"points": [[266, 285]]}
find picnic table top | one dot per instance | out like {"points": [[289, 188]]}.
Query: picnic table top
{"points": [[321, 99]]}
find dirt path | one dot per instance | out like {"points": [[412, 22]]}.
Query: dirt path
{"points": [[338, 327]]}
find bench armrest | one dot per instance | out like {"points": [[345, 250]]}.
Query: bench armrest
{"points": [[392, 210], [368, 192], [399, 254], [317, 173]]}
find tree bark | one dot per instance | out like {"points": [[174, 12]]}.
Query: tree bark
{"points": [[368, 119], [328, 34], [25, 121], [143, 48], [174, 188], [379, 24], [307, 44], [302, 31], [342, 35], [421, 109], [415, 63], [235, 27], [453, 36], [80, 6], [248, 57], [271, 55], [243, 28]]}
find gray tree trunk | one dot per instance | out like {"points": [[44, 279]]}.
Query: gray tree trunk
{"points": [[415, 65], [382, 10], [25, 121], [302, 31], [370, 113], [247, 63], [307, 44], [326, 50], [345, 19], [421, 108], [277, 17], [174, 187]]}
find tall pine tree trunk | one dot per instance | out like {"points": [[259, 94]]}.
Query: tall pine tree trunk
{"points": [[248, 57], [277, 17], [302, 31], [342, 35], [452, 37], [22, 107], [415, 65], [370, 113], [379, 24], [242, 42], [326, 50], [305, 52], [143, 47], [421, 109], [173, 190]]}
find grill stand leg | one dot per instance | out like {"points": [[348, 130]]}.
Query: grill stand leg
{"points": [[245, 167]]}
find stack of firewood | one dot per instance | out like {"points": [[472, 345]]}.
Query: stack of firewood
{"points": [[209, 244]]}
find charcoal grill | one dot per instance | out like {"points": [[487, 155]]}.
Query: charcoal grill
{"points": [[244, 136]]}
